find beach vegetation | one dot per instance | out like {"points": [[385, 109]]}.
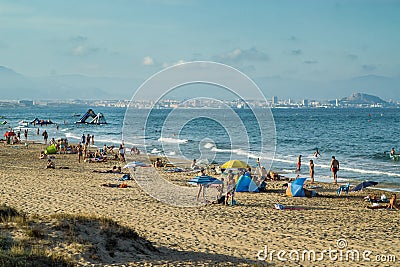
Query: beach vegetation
{"points": [[64, 239]]}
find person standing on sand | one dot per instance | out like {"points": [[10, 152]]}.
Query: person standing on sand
{"points": [[85, 151], [202, 187], [88, 140], [335, 168], [122, 153], [298, 163], [45, 136], [26, 134], [92, 139], [312, 170], [79, 153]]}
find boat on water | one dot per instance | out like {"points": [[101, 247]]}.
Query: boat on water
{"points": [[3, 122], [76, 115]]}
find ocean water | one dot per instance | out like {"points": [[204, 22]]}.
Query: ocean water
{"points": [[359, 138]]}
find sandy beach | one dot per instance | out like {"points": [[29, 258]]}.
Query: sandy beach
{"points": [[212, 235]]}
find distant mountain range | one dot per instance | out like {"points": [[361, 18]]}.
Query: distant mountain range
{"points": [[14, 85], [17, 86]]}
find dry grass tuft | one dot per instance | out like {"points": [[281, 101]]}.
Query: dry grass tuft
{"points": [[64, 240]]}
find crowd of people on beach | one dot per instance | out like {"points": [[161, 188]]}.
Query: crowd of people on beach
{"points": [[88, 152], [82, 149]]}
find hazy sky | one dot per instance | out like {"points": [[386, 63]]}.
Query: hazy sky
{"points": [[308, 40]]}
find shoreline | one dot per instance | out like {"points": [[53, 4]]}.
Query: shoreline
{"points": [[184, 163], [226, 235]]}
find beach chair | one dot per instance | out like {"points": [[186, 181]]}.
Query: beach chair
{"points": [[343, 188]]}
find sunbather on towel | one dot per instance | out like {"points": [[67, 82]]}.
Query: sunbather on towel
{"points": [[115, 169]]}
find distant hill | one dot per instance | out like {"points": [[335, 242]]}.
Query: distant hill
{"points": [[15, 86], [363, 99]]}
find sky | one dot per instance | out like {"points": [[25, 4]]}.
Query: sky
{"points": [[318, 41]]}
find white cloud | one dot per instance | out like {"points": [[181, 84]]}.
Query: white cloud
{"points": [[166, 64], [148, 61], [241, 55], [82, 50]]}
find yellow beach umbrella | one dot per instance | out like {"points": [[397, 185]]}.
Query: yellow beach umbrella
{"points": [[234, 164]]}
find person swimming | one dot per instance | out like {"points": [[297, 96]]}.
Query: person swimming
{"points": [[316, 153]]}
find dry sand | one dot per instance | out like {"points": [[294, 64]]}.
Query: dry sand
{"points": [[212, 235]]}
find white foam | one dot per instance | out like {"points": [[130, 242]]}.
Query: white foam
{"points": [[73, 136], [155, 151], [209, 145], [172, 140], [370, 172]]}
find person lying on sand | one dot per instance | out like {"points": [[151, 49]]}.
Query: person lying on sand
{"points": [[98, 159], [123, 185], [114, 169]]}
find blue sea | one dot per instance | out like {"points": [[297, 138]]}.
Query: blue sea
{"points": [[359, 138]]}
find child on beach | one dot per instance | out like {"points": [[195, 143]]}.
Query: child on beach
{"points": [[50, 164]]}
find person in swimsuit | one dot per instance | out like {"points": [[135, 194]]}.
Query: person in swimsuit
{"points": [[335, 168], [312, 170], [393, 203], [316, 153], [299, 163]]}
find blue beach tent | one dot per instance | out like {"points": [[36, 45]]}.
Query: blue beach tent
{"points": [[295, 188], [246, 184]]}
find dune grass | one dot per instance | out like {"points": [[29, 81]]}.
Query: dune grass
{"points": [[64, 239]]}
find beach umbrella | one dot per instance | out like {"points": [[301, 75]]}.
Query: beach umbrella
{"points": [[295, 188], [363, 185], [234, 164], [204, 180]]}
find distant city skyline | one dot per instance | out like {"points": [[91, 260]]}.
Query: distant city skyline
{"points": [[302, 49]]}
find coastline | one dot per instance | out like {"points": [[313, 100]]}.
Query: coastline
{"points": [[206, 235]]}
